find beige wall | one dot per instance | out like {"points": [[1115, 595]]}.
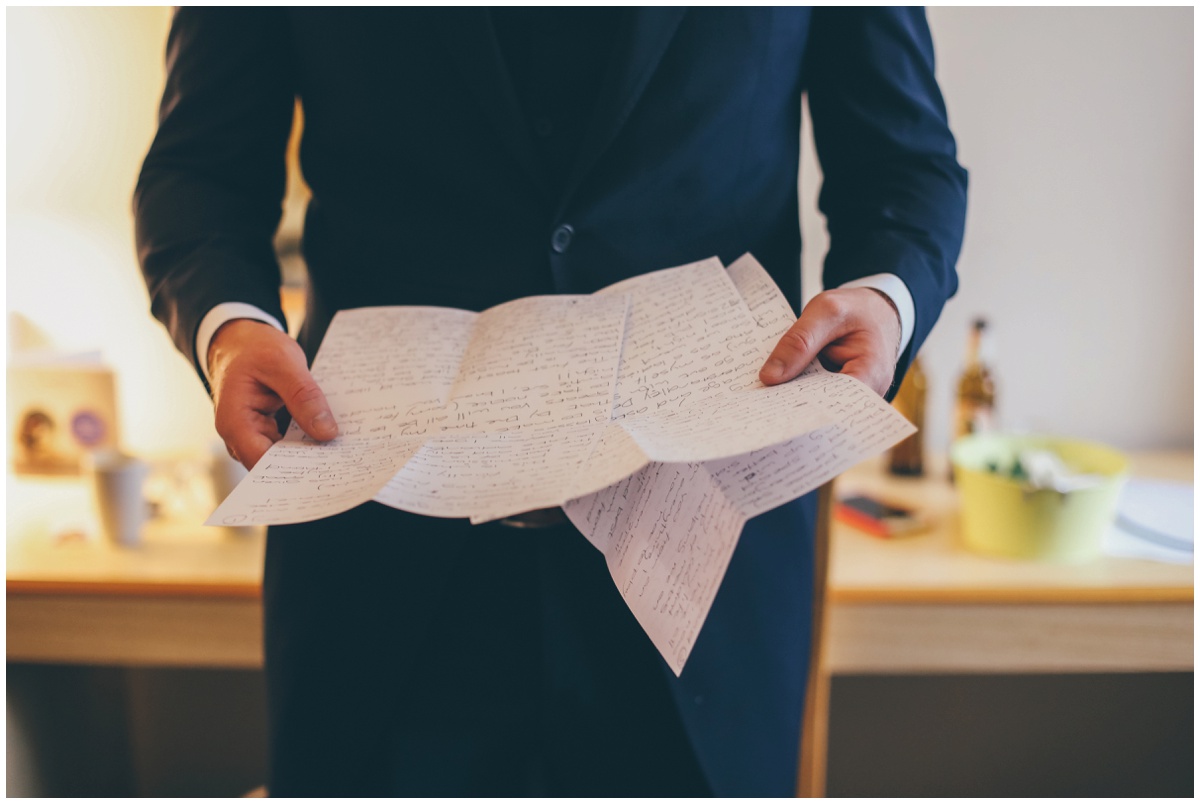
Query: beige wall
{"points": [[1076, 126]]}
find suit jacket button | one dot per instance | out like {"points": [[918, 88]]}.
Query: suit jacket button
{"points": [[560, 241]]}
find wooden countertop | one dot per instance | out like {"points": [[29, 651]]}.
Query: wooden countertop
{"points": [[181, 558], [934, 566], [52, 548]]}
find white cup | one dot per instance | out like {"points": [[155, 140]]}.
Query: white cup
{"points": [[118, 480]]}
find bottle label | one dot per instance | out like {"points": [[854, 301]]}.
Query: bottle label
{"points": [[972, 418]]}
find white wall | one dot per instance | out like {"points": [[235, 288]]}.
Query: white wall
{"points": [[83, 91], [1076, 127]]}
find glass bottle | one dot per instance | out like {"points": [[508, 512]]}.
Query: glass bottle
{"points": [[975, 404], [908, 457]]}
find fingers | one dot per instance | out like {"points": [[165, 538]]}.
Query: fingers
{"points": [[871, 373], [257, 370], [248, 444], [822, 321], [855, 329], [847, 357], [243, 418], [289, 377]]}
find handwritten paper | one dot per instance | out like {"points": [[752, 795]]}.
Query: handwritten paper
{"points": [[637, 409], [669, 531], [379, 397], [457, 414], [667, 534]]}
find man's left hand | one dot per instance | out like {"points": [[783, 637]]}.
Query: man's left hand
{"points": [[855, 331]]}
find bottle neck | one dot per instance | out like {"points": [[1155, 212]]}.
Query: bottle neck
{"points": [[978, 351]]}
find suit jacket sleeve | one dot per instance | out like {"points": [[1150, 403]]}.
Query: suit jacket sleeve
{"points": [[894, 194], [209, 197]]}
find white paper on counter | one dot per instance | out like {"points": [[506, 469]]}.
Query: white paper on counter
{"points": [[1156, 521]]}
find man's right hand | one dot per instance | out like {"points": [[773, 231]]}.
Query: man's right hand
{"points": [[255, 370]]}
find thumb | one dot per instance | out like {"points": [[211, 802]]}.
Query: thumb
{"points": [[302, 396], [820, 322]]}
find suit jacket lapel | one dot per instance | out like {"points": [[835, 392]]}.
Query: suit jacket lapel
{"points": [[473, 46], [634, 64], [470, 38]]}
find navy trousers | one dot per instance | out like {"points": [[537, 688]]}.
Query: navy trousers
{"points": [[408, 656]]}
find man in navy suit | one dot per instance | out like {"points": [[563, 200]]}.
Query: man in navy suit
{"points": [[467, 157]]}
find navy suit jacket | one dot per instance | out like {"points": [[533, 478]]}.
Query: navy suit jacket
{"points": [[427, 190]]}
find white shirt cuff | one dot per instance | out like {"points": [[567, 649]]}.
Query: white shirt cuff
{"points": [[894, 288], [220, 315]]}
